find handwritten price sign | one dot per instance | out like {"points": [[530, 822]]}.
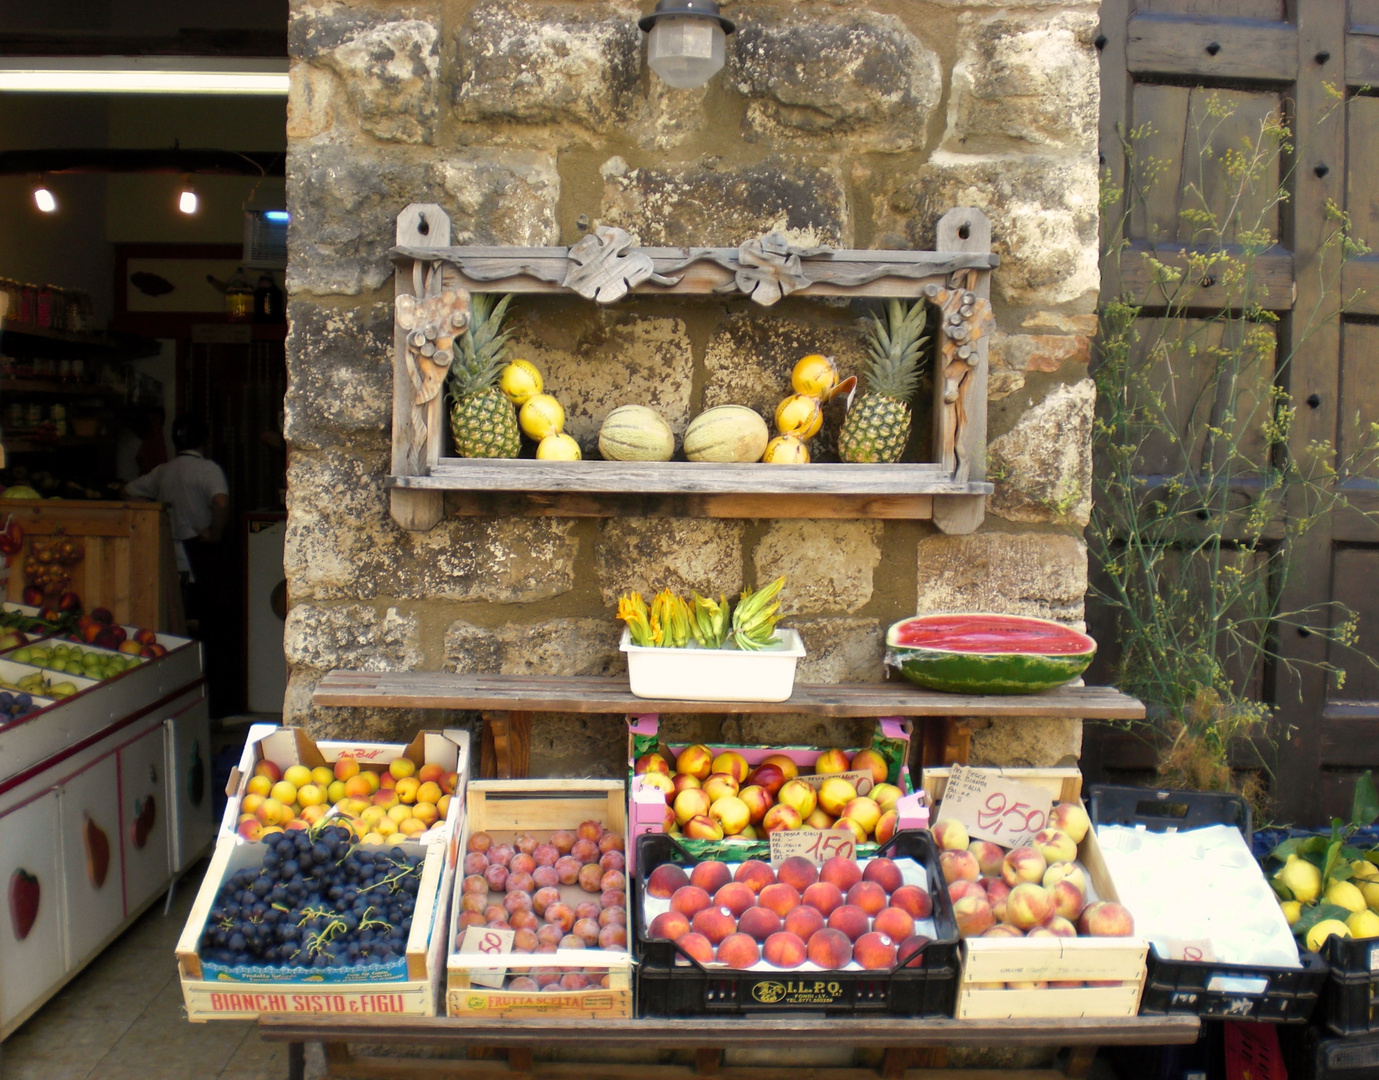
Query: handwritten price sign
{"points": [[493, 942], [995, 808], [817, 845], [862, 781], [1198, 949]]}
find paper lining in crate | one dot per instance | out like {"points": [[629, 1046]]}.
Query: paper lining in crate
{"points": [[647, 805], [409, 985], [1115, 965], [504, 809]]}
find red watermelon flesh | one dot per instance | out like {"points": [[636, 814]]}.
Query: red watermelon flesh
{"points": [[987, 653], [990, 633]]}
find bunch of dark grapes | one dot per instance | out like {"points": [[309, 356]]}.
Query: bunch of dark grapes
{"points": [[317, 901]]}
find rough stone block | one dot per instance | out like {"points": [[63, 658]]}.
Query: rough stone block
{"points": [[1043, 465], [1030, 79], [1023, 743], [649, 554], [1037, 574], [554, 647], [574, 66], [789, 729], [827, 564], [867, 76], [500, 197], [708, 206], [351, 636], [579, 745], [1013, 355], [310, 100], [389, 65], [340, 366], [840, 650]]}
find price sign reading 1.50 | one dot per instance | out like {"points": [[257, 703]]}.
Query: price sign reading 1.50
{"points": [[818, 845], [995, 807], [492, 942], [1004, 818]]}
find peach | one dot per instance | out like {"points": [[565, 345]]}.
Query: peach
{"points": [[874, 951], [710, 875], [689, 900], [853, 826], [800, 795], [543, 898], [780, 898], [662, 783], [829, 949], [784, 763], [1004, 930], [950, 835], [870, 760], [545, 854], [757, 802], [997, 892], [867, 895], [731, 763], [690, 803], [819, 820], [1064, 984], [755, 874], [1061, 927], [1072, 819], [804, 922], [885, 873], [886, 826], [665, 879], [913, 899], [1055, 845], [719, 785], [736, 896], [1023, 864], [784, 950], [834, 794], [648, 763], [587, 930], [714, 923], [832, 761], [770, 777], [1068, 900], [886, 795], [345, 767], [586, 851], [683, 782], [850, 919], [797, 872], [589, 877], [988, 855], [669, 925], [910, 952], [563, 840], [960, 888], [1036, 985], [567, 868], [612, 881], [613, 938], [864, 811], [1106, 919], [703, 827], [696, 947], [695, 760], [895, 922], [520, 882], [823, 897], [611, 841], [731, 813], [1065, 871], [781, 816], [1029, 905], [844, 873], [973, 916], [959, 865], [758, 923]]}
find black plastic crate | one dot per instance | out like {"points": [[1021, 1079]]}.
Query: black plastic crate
{"points": [[1209, 989], [667, 989], [1310, 1055], [1351, 1003]]}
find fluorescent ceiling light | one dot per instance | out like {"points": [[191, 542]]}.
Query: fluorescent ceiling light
{"points": [[143, 75]]}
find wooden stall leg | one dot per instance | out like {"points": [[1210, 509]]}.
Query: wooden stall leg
{"points": [[896, 1060], [296, 1061], [1080, 1060], [505, 745], [945, 740], [707, 1061], [337, 1053], [519, 1059]]}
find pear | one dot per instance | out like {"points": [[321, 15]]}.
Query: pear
{"points": [[1302, 879], [1346, 895]]}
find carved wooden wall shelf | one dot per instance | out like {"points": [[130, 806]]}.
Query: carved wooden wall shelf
{"points": [[433, 280]]}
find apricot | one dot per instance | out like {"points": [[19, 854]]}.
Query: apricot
{"points": [[884, 872], [545, 854], [714, 923], [587, 930], [561, 915], [589, 877], [973, 915], [823, 897], [784, 950], [545, 877], [874, 951], [613, 937], [665, 879], [913, 899], [867, 895], [697, 947], [563, 840], [689, 900], [910, 952], [739, 951], [345, 768], [830, 949], [797, 872], [567, 868], [669, 925], [759, 922], [780, 898], [851, 920], [896, 923], [736, 896], [804, 922], [586, 851], [755, 874]]}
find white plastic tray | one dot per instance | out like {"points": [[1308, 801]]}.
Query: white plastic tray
{"points": [[695, 674]]}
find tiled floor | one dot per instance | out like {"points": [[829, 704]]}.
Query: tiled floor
{"points": [[122, 1018]]}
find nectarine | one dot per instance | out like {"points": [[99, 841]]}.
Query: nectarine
{"points": [[736, 897], [804, 921], [710, 875], [840, 872], [784, 950], [664, 880], [830, 949], [850, 919], [913, 899], [874, 951], [714, 923], [867, 895], [697, 947], [758, 923], [780, 898], [895, 922], [755, 874]]}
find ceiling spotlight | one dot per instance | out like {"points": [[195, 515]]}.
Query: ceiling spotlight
{"points": [[187, 201], [44, 199], [685, 41]]}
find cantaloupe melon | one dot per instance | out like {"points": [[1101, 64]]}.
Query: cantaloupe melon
{"points": [[727, 433], [636, 433]]}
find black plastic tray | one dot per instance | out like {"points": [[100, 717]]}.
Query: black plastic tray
{"points": [[1310, 1055], [1209, 989], [665, 988], [1351, 1004]]}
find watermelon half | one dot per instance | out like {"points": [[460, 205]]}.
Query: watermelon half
{"points": [[987, 654]]}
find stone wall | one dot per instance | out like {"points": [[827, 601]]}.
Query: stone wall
{"points": [[839, 121]]}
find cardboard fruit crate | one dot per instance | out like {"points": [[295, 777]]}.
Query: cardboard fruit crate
{"points": [[504, 808], [1116, 965], [646, 805]]}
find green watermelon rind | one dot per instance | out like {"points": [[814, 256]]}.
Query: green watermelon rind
{"points": [[957, 672]]}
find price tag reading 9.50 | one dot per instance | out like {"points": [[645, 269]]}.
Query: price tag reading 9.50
{"points": [[1004, 819], [817, 845], [995, 807]]}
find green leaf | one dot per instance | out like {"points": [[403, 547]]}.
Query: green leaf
{"points": [[1317, 859], [1286, 848], [1365, 808], [1281, 890], [1318, 913], [1333, 856], [1313, 845]]}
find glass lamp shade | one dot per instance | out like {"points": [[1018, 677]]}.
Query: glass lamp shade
{"points": [[685, 50]]}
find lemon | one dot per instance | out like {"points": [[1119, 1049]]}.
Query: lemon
{"points": [[1364, 870], [542, 415], [800, 416], [520, 381], [814, 375], [1302, 879], [1363, 924], [1344, 894], [1371, 892], [1292, 911], [558, 447], [1324, 930], [786, 450]]}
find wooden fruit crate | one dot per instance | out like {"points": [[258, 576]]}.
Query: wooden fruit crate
{"points": [[1115, 965], [503, 808]]}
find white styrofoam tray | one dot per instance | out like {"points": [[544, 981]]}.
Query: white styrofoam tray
{"points": [[695, 674]]}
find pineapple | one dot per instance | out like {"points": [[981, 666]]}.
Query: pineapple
{"points": [[482, 419], [878, 424]]}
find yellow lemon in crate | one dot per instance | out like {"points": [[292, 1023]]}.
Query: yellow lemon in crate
{"points": [[1345, 894], [520, 382], [800, 416], [542, 415], [1292, 911], [786, 450], [558, 447], [814, 375], [1324, 930], [1363, 924]]}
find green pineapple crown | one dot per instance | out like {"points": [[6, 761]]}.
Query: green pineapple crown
{"points": [[893, 348], [481, 350]]}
